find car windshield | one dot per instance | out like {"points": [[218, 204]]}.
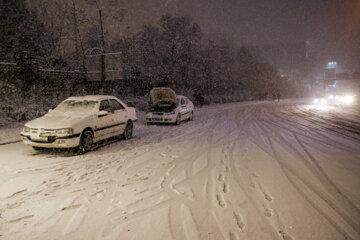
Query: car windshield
{"points": [[76, 106]]}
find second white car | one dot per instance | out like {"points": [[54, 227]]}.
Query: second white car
{"points": [[167, 107]]}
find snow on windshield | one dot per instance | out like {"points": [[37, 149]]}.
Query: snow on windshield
{"points": [[76, 105]]}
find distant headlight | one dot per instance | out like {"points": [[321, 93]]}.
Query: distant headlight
{"points": [[26, 129], [64, 131], [316, 100], [348, 99], [331, 97], [170, 113], [323, 101]]}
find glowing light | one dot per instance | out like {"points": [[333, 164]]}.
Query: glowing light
{"points": [[348, 99], [323, 101], [316, 100], [331, 64]]}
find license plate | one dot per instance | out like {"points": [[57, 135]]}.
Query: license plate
{"points": [[40, 139]]}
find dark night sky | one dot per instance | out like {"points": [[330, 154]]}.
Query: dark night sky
{"points": [[331, 26]]}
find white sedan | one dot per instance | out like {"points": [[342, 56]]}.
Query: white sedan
{"points": [[80, 122], [167, 107]]}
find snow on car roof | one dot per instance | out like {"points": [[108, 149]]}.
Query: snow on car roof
{"points": [[91, 97]]}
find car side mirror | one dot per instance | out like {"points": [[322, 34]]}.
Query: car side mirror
{"points": [[103, 113]]}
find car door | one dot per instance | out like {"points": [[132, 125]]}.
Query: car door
{"points": [[183, 108], [119, 118], [189, 107], [104, 122]]}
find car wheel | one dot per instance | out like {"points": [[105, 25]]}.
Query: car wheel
{"points": [[191, 116], [178, 119], [38, 148], [86, 142], [128, 130]]}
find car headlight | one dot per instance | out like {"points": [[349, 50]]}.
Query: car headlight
{"points": [[316, 100], [323, 101], [170, 113], [26, 129], [348, 99], [64, 131]]}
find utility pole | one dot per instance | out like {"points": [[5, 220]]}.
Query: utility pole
{"points": [[103, 77], [81, 64], [102, 57]]}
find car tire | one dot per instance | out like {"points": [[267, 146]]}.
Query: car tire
{"points": [[178, 119], [38, 148], [128, 132], [86, 142], [191, 116]]}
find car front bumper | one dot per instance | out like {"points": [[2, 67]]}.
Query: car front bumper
{"points": [[51, 141]]}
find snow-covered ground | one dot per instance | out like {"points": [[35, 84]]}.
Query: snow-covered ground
{"points": [[259, 170], [10, 133]]}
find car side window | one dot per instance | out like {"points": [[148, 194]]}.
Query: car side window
{"points": [[105, 106], [115, 105], [182, 101]]}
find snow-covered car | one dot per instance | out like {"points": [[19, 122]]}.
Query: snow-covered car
{"points": [[80, 122], [167, 107]]}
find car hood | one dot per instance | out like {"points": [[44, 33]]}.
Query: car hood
{"points": [[162, 95], [55, 120]]}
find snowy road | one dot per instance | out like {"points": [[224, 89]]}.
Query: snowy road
{"points": [[238, 171]]}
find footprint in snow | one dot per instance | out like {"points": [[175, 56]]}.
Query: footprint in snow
{"points": [[268, 212], [225, 188], [285, 236], [221, 201], [232, 236], [239, 221], [268, 197], [220, 177]]}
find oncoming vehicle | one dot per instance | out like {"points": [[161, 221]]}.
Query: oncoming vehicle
{"points": [[167, 107], [341, 100], [80, 122], [342, 92]]}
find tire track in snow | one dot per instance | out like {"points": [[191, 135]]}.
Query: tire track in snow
{"points": [[287, 169], [321, 176]]}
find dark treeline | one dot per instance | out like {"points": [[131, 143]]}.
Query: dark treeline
{"points": [[173, 53]]}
